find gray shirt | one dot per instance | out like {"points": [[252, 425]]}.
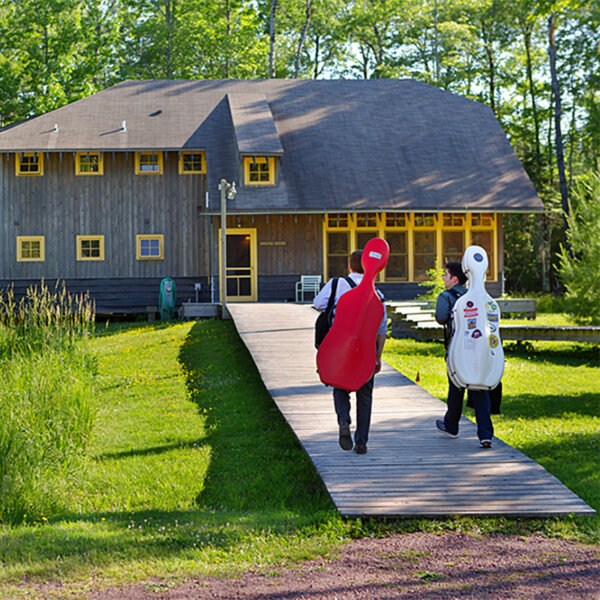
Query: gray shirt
{"points": [[445, 303]]}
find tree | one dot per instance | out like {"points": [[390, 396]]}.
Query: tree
{"points": [[580, 268]]}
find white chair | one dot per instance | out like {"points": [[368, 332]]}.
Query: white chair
{"points": [[307, 284]]}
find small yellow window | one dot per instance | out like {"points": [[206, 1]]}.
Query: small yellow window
{"points": [[148, 163], [150, 247], [259, 170], [89, 163], [191, 163], [29, 163], [30, 248], [90, 247]]}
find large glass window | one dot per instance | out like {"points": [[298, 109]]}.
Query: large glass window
{"points": [[338, 250], [397, 265], [485, 239], [424, 253], [453, 246]]}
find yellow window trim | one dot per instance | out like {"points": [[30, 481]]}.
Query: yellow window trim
{"points": [[410, 228], [193, 171], [40, 161], [22, 240], [90, 238], [80, 155], [161, 246], [259, 160], [159, 162]]}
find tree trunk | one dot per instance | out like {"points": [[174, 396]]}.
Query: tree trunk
{"points": [[317, 49], [272, 40], [302, 39], [228, 35], [536, 121], [560, 160], [491, 66]]}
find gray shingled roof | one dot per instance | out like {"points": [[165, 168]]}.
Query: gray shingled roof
{"points": [[344, 145]]}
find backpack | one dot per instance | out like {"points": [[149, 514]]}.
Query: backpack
{"points": [[325, 319], [449, 326]]}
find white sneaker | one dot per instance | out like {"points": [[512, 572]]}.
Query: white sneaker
{"points": [[485, 443]]}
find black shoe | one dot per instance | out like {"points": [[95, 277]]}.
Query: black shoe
{"points": [[345, 437], [442, 427], [485, 443], [359, 449]]}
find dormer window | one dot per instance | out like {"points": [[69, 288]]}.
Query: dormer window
{"points": [[29, 163], [148, 163], [191, 163], [259, 170]]}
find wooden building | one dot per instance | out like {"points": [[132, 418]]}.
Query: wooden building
{"points": [[118, 190]]}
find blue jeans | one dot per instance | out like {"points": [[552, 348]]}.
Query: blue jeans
{"points": [[481, 405], [364, 401]]}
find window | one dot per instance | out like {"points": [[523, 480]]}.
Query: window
{"points": [[90, 247], [259, 170], [29, 163], [485, 239], [397, 265], [424, 253], [425, 220], [191, 163], [148, 163], [30, 248], [338, 250], [149, 247], [89, 163]]}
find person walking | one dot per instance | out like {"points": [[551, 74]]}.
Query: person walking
{"points": [[454, 282], [364, 396]]}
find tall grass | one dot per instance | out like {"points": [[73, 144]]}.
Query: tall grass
{"points": [[46, 384]]}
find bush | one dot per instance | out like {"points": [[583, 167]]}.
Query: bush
{"points": [[434, 285], [580, 268], [46, 387]]}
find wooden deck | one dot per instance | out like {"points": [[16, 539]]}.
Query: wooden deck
{"points": [[411, 469]]}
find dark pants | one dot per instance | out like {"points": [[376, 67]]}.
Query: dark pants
{"points": [[481, 404], [364, 400]]}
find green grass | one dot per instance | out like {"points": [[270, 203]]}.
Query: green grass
{"points": [[193, 470]]}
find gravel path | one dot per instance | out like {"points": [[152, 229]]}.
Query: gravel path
{"points": [[423, 566]]}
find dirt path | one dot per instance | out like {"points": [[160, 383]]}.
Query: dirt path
{"points": [[423, 566]]}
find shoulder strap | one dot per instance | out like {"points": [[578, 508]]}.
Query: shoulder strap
{"points": [[331, 301], [454, 293], [350, 281]]}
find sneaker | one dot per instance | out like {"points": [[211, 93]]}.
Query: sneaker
{"points": [[485, 443], [442, 427], [360, 449], [345, 437]]}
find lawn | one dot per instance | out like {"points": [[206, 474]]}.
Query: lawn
{"points": [[193, 471]]}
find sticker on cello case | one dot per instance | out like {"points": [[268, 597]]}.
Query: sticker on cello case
{"points": [[471, 323], [373, 254], [492, 318], [476, 334], [493, 341], [493, 327]]}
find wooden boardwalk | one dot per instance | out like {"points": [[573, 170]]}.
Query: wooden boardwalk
{"points": [[410, 469]]}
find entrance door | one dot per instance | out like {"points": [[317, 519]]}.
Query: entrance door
{"points": [[241, 265]]}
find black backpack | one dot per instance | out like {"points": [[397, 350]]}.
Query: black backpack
{"points": [[325, 319], [449, 326]]}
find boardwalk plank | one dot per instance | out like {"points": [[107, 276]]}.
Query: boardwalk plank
{"points": [[410, 470]]}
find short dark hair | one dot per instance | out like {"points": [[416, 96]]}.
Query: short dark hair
{"points": [[455, 269], [356, 261]]}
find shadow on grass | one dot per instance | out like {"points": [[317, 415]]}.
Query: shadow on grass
{"points": [[256, 462], [530, 407]]}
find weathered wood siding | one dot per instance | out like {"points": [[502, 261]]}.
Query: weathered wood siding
{"points": [[118, 205]]}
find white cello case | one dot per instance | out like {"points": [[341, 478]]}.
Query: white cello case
{"points": [[475, 356]]}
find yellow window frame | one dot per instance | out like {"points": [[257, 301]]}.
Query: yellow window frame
{"points": [[82, 239], [193, 155], [24, 254], [348, 222], [139, 163], [250, 161], [86, 155], [139, 243], [19, 164]]}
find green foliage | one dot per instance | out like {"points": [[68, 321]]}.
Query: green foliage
{"points": [[580, 267], [434, 285], [46, 385]]}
